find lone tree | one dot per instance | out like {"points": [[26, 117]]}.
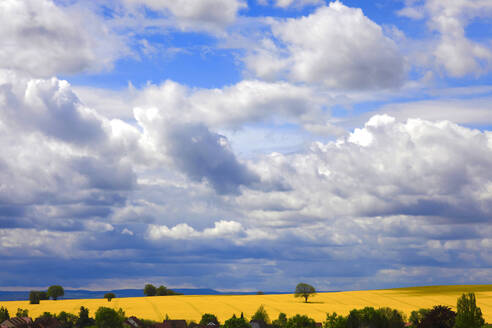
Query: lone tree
{"points": [[468, 315], [109, 296], [150, 290], [304, 290], [55, 291]]}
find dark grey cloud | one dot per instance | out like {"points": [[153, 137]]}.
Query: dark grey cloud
{"points": [[50, 108], [202, 154]]}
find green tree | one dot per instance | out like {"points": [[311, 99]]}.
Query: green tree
{"points": [[109, 296], [236, 322], [84, 320], [43, 296], [208, 317], [281, 321], [22, 313], [367, 317], [33, 297], [300, 321], [468, 315], [392, 318], [304, 290], [4, 314], [109, 318], [67, 320], [261, 315], [161, 291], [55, 291], [150, 290], [439, 317], [335, 321], [416, 317]]}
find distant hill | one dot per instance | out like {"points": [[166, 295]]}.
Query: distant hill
{"points": [[86, 294]]}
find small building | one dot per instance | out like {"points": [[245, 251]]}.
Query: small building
{"points": [[258, 324], [172, 324], [132, 322], [17, 322]]}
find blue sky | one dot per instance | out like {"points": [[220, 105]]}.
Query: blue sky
{"points": [[245, 145]]}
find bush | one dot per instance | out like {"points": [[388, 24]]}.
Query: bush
{"points": [[335, 321], [367, 317], [67, 320], [370, 317], [109, 318], [22, 313], [300, 321], [468, 315]]}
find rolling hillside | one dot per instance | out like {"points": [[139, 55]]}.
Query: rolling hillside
{"points": [[192, 307]]}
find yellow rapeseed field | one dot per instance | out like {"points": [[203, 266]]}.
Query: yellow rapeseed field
{"points": [[192, 307]]}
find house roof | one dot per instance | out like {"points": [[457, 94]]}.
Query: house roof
{"points": [[174, 324], [47, 323], [17, 322]]}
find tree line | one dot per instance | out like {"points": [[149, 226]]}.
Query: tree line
{"points": [[151, 290], [54, 292]]}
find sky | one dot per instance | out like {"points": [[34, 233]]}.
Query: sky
{"points": [[245, 145]]}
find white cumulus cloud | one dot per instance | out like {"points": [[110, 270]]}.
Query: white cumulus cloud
{"points": [[336, 45], [221, 229], [454, 52], [44, 39]]}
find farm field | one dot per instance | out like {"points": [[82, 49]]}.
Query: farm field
{"points": [[192, 307]]}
